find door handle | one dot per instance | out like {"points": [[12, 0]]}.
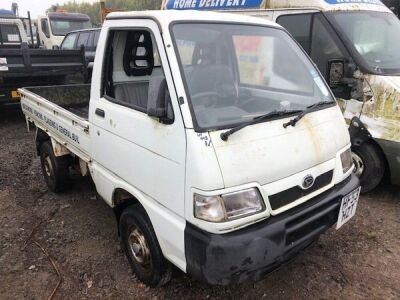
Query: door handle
{"points": [[100, 112]]}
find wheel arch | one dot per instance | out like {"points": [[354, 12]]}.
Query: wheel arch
{"points": [[44, 136], [121, 199], [41, 136], [360, 135], [169, 228]]}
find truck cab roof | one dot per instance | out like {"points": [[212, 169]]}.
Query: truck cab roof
{"points": [[330, 5], [6, 13], [69, 16], [321, 5], [164, 18]]}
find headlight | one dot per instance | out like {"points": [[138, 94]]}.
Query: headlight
{"points": [[228, 206], [347, 160]]}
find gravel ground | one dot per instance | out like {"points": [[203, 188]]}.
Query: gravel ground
{"points": [[361, 260]]}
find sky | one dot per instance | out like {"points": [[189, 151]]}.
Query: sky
{"points": [[36, 7]]}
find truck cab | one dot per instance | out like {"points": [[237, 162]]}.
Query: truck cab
{"points": [[213, 137], [355, 45], [12, 32], [52, 27]]}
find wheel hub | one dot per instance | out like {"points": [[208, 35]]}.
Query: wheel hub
{"points": [[139, 248], [359, 164]]}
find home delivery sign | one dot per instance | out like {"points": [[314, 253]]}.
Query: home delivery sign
{"points": [[212, 4]]}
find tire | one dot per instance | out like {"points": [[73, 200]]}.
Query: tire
{"points": [[55, 169], [369, 166], [141, 247]]}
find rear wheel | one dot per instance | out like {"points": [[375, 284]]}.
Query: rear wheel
{"points": [[369, 166], [141, 247], [55, 169]]}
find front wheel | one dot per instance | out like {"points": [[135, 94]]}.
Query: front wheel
{"points": [[369, 166], [141, 247]]}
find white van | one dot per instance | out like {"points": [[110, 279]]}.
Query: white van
{"points": [[222, 170], [356, 46], [52, 27]]}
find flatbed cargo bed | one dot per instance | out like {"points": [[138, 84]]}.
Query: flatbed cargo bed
{"points": [[62, 112], [74, 98]]}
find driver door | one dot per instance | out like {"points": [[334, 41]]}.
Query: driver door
{"points": [[142, 151]]}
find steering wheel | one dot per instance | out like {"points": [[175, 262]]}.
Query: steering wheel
{"points": [[208, 99]]}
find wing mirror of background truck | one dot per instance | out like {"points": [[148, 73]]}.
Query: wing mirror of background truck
{"points": [[336, 72], [350, 87], [159, 101]]}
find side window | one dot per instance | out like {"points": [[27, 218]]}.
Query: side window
{"points": [[96, 38], [323, 46], [69, 42], [299, 27], [83, 39], [132, 69], [89, 43], [313, 33], [45, 27]]}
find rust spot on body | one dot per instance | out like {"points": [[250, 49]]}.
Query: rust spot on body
{"points": [[314, 138]]}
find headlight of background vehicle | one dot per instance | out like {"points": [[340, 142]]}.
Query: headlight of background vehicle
{"points": [[347, 160], [228, 207]]}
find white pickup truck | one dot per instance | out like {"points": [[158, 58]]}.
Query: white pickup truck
{"points": [[222, 170]]}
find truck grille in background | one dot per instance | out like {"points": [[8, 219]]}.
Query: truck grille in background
{"points": [[288, 196]]}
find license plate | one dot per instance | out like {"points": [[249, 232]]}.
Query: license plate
{"points": [[348, 207], [14, 94]]}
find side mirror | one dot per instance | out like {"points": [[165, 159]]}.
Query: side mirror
{"points": [[158, 102], [336, 72]]}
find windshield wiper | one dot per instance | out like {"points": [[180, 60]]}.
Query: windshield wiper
{"points": [[309, 109], [225, 135]]}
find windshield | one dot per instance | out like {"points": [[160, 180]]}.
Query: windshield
{"points": [[375, 36], [234, 73], [62, 26]]}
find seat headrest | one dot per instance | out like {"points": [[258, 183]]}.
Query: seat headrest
{"points": [[138, 59], [204, 54]]}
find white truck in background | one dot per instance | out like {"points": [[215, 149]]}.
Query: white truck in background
{"points": [[222, 171], [355, 44], [52, 27]]}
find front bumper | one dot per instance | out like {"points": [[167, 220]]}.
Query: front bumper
{"points": [[249, 254]]}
